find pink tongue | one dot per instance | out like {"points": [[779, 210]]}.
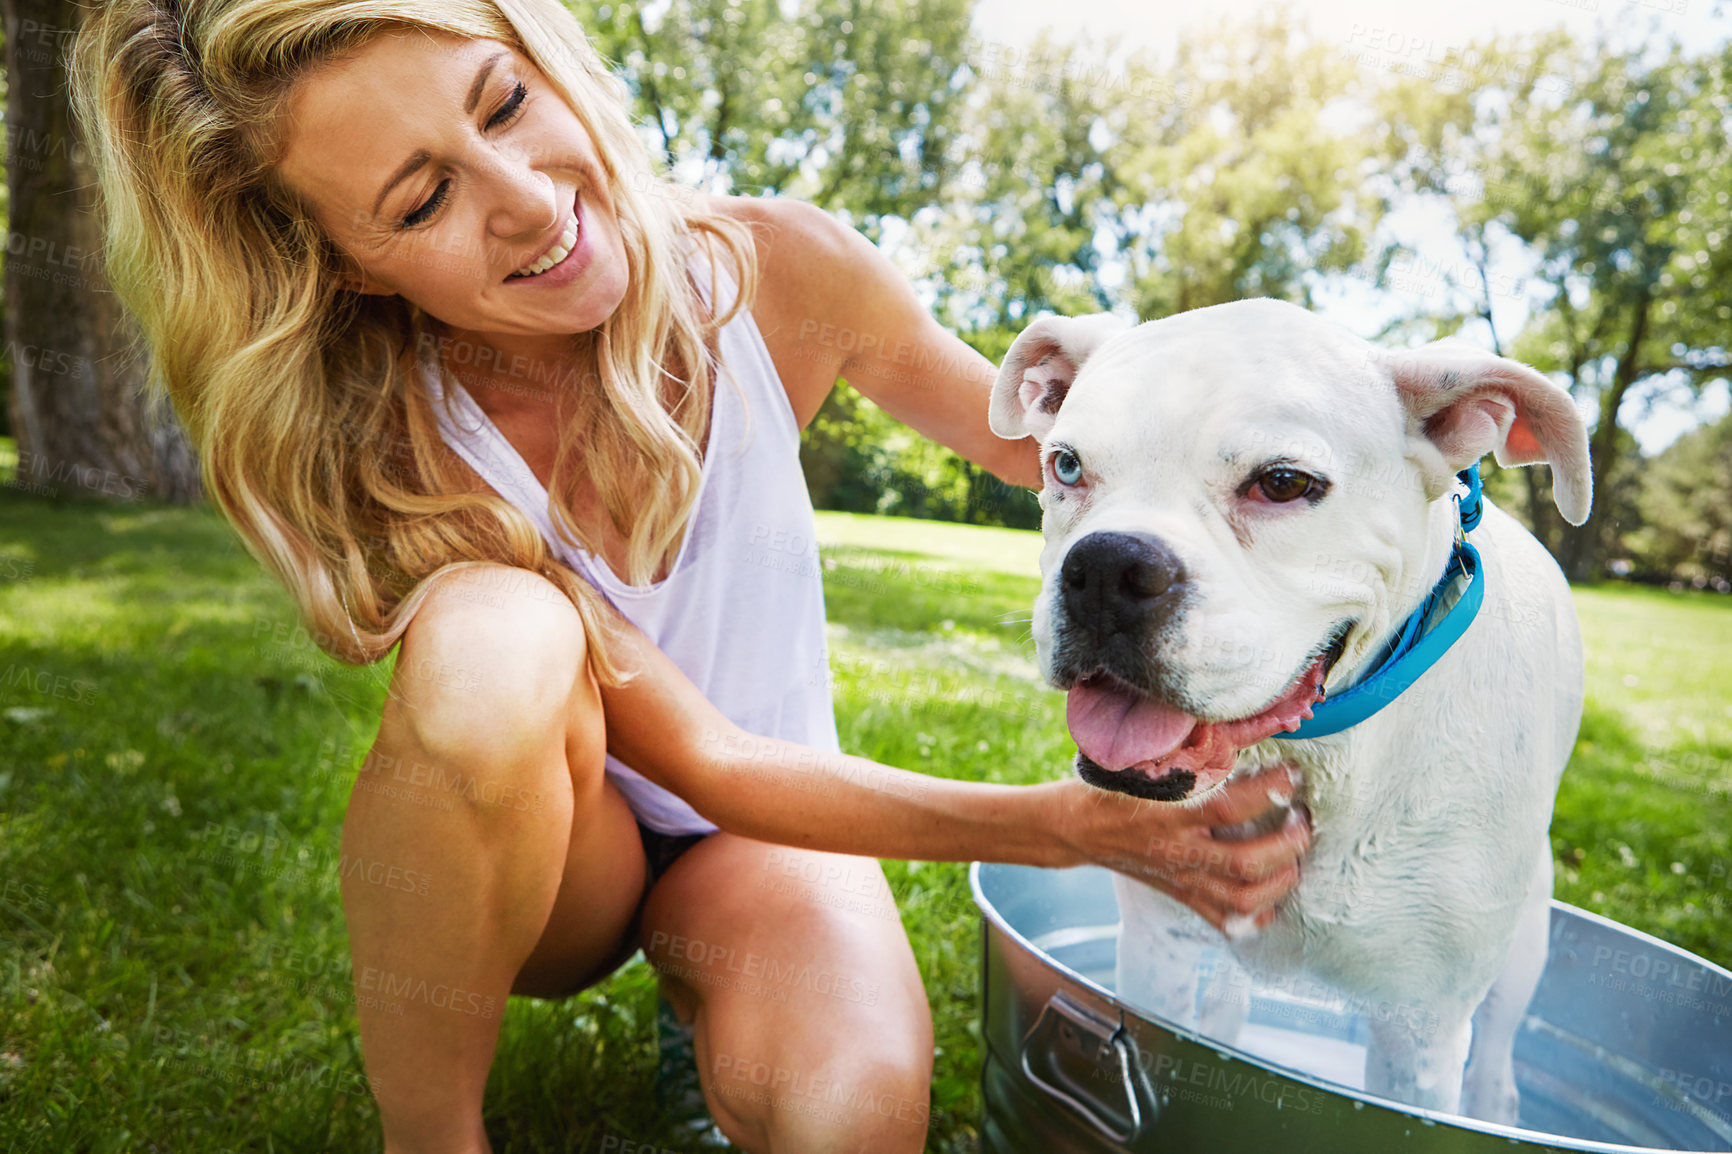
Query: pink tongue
{"points": [[1117, 729]]}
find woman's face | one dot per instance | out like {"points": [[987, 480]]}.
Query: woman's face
{"points": [[447, 167]]}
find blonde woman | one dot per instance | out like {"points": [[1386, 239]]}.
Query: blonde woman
{"points": [[476, 384]]}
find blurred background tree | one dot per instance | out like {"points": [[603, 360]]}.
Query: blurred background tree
{"points": [[1254, 160], [76, 406], [1255, 184], [1614, 171]]}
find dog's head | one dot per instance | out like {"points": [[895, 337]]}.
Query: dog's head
{"points": [[1239, 501]]}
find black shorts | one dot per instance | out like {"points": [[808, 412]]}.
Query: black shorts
{"points": [[660, 852]]}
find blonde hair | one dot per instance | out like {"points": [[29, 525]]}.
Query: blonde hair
{"points": [[303, 398]]}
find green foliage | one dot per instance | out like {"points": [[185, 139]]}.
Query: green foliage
{"points": [[1212, 180], [1248, 187], [850, 106], [1016, 231], [859, 459], [1615, 171], [1685, 521]]}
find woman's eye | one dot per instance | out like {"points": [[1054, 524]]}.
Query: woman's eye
{"points": [[1284, 485], [1067, 467], [508, 111], [426, 211]]}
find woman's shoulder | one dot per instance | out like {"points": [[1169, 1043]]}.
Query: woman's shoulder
{"points": [[809, 265], [771, 217], [805, 255]]}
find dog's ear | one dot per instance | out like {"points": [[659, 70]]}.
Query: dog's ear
{"points": [[1039, 368], [1466, 402]]}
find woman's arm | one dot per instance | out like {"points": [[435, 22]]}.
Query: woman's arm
{"points": [[831, 305], [778, 791]]}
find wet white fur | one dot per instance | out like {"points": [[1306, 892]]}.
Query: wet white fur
{"points": [[1426, 894]]}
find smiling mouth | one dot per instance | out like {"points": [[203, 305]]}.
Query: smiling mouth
{"points": [[555, 256], [1131, 743]]}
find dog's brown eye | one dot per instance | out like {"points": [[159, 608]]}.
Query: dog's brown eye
{"points": [[1283, 485]]}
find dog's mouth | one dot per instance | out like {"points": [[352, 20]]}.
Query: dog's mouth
{"points": [[1132, 743]]}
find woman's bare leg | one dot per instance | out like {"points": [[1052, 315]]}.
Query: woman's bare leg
{"points": [[813, 1031], [483, 851]]}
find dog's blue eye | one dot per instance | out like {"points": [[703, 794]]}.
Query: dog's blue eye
{"points": [[1067, 467]]}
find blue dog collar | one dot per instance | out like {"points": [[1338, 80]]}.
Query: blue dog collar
{"points": [[1423, 638]]}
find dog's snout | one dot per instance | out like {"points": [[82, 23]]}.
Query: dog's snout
{"points": [[1118, 583]]}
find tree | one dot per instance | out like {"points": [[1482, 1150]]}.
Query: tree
{"points": [[1015, 230], [843, 103], [77, 405], [1685, 532], [1244, 185], [1615, 171], [1090, 181]]}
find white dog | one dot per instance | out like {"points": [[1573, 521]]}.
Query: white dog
{"points": [[1243, 505]]}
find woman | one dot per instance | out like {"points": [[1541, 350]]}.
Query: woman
{"points": [[472, 381]]}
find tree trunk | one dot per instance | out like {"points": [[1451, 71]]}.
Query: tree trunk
{"points": [[1584, 547], [1540, 505], [81, 419]]}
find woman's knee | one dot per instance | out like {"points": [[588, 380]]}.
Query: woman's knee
{"points": [[491, 669], [816, 1030], [868, 1090]]}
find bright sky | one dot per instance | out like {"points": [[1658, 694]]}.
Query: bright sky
{"points": [[1422, 31]]}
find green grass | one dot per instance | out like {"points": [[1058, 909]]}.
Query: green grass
{"points": [[158, 992]]}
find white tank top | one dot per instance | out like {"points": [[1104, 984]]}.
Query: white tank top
{"points": [[741, 611]]}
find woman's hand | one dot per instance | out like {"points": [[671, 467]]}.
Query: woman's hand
{"points": [[1230, 858]]}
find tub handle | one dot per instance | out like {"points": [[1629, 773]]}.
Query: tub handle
{"points": [[1066, 1028]]}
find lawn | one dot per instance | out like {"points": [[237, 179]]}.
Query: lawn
{"points": [[175, 757]]}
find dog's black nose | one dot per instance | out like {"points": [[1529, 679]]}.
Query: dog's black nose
{"points": [[1118, 584]]}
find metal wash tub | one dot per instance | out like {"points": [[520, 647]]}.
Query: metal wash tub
{"points": [[1627, 1047]]}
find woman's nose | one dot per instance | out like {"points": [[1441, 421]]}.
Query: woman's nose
{"points": [[523, 199]]}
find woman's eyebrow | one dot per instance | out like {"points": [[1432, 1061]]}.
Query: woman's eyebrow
{"points": [[422, 156], [480, 84]]}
